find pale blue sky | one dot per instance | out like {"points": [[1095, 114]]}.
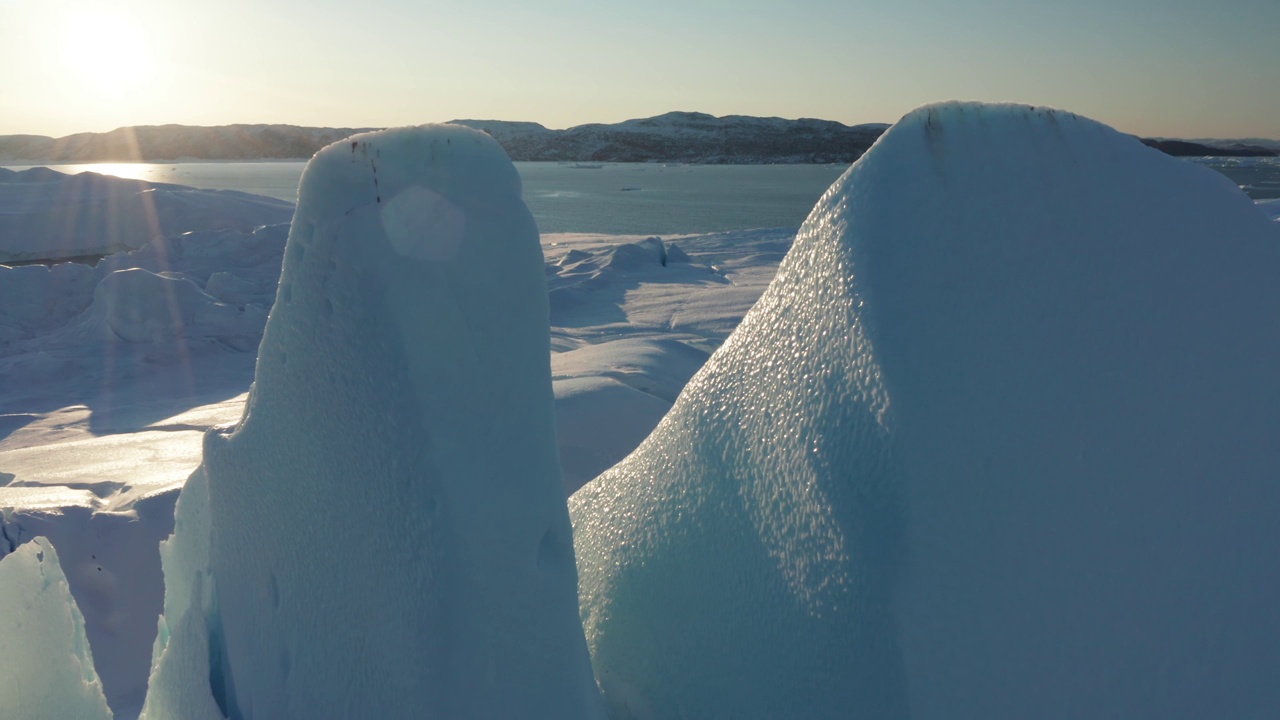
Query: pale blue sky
{"points": [[1173, 68]]}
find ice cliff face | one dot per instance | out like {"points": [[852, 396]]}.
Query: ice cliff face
{"points": [[998, 442], [403, 401]]}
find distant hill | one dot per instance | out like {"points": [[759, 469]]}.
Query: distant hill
{"points": [[1219, 148], [1234, 143], [673, 137], [687, 137], [174, 142]]}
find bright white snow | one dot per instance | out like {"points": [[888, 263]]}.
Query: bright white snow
{"points": [[386, 527], [998, 442]]}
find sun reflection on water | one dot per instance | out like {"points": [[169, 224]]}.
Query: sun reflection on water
{"points": [[130, 171]]}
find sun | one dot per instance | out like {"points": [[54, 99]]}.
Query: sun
{"points": [[107, 54]]}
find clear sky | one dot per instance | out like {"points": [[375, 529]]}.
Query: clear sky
{"points": [[1183, 68]]}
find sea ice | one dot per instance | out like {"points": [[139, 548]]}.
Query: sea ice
{"points": [[384, 534], [51, 216], [999, 441], [71, 331], [1271, 208]]}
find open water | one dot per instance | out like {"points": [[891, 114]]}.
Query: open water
{"points": [[627, 198], [610, 198]]}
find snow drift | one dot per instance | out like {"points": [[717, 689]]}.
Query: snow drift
{"points": [[609, 397], [998, 442], [384, 534]]}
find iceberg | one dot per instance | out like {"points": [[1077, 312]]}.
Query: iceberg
{"points": [[106, 557], [48, 670], [384, 533], [51, 216], [1076, 334], [997, 442]]}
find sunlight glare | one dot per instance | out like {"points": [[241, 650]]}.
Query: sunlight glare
{"points": [[108, 54]]}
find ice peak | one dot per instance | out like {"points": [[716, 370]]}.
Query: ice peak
{"points": [[978, 451], [359, 515], [355, 168]]}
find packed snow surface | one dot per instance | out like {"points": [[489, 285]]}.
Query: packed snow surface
{"points": [[998, 442], [48, 671], [356, 545]]}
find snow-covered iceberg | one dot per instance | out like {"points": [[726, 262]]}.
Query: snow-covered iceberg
{"points": [[998, 442], [384, 534], [46, 669], [54, 216], [107, 560]]}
